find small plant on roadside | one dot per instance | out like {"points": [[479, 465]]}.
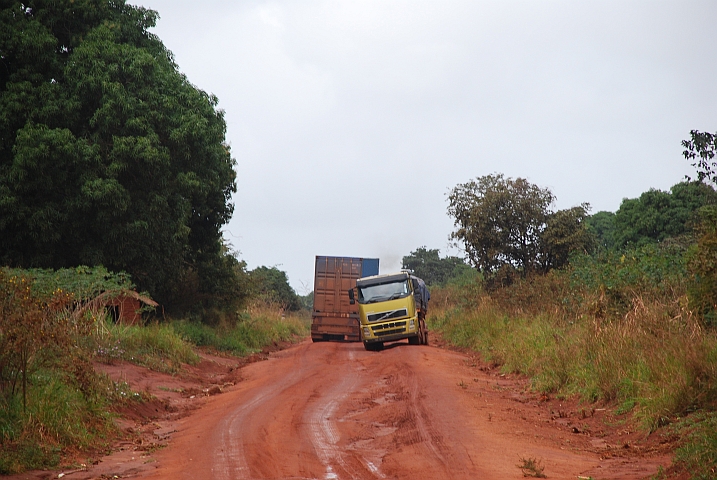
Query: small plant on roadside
{"points": [[531, 467]]}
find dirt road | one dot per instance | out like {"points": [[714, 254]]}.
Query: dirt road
{"points": [[330, 411], [335, 411]]}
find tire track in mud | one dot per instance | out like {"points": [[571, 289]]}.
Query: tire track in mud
{"points": [[230, 462], [324, 433], [429, 439], [331, 411], [393, 415]]}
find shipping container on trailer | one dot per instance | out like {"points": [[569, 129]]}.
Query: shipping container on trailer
{"points": [[333, 317]]}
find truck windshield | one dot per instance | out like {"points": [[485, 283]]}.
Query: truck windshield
{"points": [[382, 292]]}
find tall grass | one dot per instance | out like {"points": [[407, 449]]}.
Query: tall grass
{"points": [[260, 325], [57, 416], [156, 346], [655, 358], [699, 453], [614, 328]]}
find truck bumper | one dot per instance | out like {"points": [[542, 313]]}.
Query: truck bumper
{"points": [[390, 331], [390, 338], [334, 328]]}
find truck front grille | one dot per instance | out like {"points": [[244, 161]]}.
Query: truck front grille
{"points": [[389, 328], [375, 317]]}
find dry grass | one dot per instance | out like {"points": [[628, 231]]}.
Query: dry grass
{"points": [[656, 357]]}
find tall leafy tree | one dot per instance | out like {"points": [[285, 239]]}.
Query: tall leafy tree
{"points": [[602, 226], [108, 154], [701, 149], [500, 220], [565, 232], [508, 224]]}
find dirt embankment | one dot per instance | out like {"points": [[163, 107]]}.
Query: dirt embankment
{"points": [[335, 411]]}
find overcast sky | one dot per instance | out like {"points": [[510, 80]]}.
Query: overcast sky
{"points": [[351, 120]]}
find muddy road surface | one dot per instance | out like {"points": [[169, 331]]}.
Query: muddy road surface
{"points": [[334, 411]]}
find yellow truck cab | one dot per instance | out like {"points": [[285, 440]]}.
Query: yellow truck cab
{"points": [[391, 307]]}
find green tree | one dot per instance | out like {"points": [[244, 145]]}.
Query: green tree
{"points": [[508, 225], [602, 226], [108, 155], [272, 285], [434, 270], [307, 301], [657, 215], [565, 232], [500, 221]]}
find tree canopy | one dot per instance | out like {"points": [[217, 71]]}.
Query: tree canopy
{"points": [[602, 226], [564, 233], [509, 222], [108, 154], [272, 284], [434, 270], [657, 215]]}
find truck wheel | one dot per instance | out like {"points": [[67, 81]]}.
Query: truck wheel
{"points": [[415, 340], [423, 333], [372, 347]]}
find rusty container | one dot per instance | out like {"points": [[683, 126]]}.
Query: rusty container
{"points": [[333, 317]]}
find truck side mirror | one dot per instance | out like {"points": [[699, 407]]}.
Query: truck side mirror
{"points": [[352, 300]]}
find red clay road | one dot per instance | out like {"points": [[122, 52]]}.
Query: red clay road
{"points": [[334, 411]]}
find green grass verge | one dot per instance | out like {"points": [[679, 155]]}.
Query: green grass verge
{"points": [[661, 370], [251, 333], [57, 416], [156, 346], [699, 454], [653, 365]]}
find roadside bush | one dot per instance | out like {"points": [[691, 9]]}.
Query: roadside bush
{"points": [[614, 326], [606, 283], [58, 415], [50, 397]]}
